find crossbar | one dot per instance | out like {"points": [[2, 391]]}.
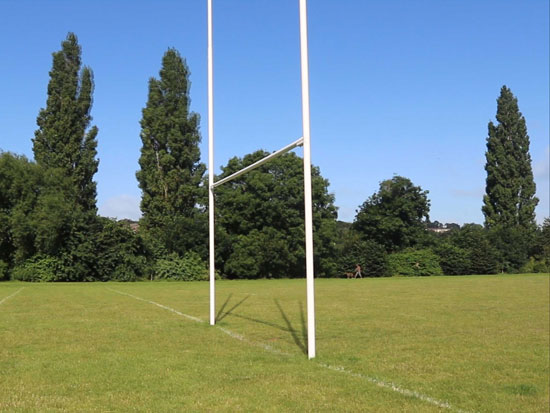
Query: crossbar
{"points": [[269, 157]]}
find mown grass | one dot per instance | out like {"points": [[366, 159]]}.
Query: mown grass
{"points": [[476, 343]]}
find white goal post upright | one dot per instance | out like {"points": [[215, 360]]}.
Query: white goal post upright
{"points": [[211, 169], [304, 141], [307, 182]]}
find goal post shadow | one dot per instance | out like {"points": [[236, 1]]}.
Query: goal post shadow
{"points": [[298, 333], [304, 141]]}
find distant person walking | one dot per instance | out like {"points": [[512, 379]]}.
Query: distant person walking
{"points": [[358, 271]]}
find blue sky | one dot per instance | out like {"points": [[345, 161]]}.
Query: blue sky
{"points": [[397, 87]]}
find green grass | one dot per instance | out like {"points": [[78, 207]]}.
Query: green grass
{"points": [[477, 343]]}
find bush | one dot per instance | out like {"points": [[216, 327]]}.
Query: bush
{"points": [[370, 255], [536, 266], [484, 259], [474, 239], [188, 268], [512, 245], [453, 260], [265, 253], [3, 270], [130, 270], [39, 268], [121, 254], [415, 263]]}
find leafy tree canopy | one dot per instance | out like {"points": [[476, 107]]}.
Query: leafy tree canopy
{"points": [[395, 216], [261, 219], [482, 254]]}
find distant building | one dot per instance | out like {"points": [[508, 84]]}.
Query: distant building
{"points": [[439, 230], [134, 225]]}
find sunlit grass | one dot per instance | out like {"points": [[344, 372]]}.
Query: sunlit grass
{"points": [[478, 343]]}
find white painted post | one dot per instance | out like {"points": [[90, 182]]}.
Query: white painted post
{"points": [[307, 183], [211, 170]]}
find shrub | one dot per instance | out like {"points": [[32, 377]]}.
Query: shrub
{"points": [[39, 268], [415, 263], [374, 259], [262, 253], [129, 270], [3, 270], [483, 256], [512, 246], [484, 259], [370, 255], [536, 266], [188, 268], [453, 260], [120, 253]]}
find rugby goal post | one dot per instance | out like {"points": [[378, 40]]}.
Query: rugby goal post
{"points": [[304, 141]]}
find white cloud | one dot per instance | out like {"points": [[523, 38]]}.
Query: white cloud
{"points": [[121, 206]]}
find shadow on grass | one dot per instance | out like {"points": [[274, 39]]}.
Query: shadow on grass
{"points": [[298, 335], [300, 341], [221, 315]]}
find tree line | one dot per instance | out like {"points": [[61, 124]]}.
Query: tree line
{"points": [[50, 229]]}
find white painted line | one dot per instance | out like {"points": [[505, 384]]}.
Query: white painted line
{"points": [[230, 333], [240, 337], [11, 295], [395, 388], [190, 317]]}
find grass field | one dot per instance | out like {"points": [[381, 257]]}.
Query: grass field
{"points": [[471, 344]]}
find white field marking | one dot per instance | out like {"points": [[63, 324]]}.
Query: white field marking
{"points": [[11, 295], [242, 338], [190, 317], [395, 388], [198, 320], [266, 347]]}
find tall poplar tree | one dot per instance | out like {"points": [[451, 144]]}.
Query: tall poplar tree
{"points": [[63, 140], [510, 199], [171, 172]]}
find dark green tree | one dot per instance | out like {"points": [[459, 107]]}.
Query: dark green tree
{"points": [[540, 250], [35, 217], [18, 193], [45, 238], [63, 140], [120, 253], [395, 216], [483, 256], [510, 189], [541, 246], [513, 245], [453, 260], [260, 218], [171, 174], [351, 250], [414, 262]]}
